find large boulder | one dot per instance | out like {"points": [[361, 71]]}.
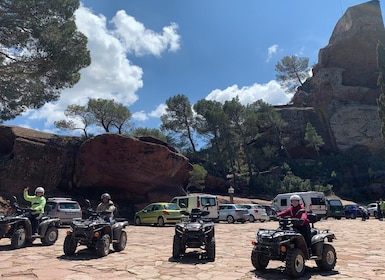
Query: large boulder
{"points": [[132, 169]]}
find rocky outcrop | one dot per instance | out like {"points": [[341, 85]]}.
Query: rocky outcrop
{"points": [[131, 169], [341, 95]]}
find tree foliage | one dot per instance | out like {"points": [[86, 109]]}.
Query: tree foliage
{"points": [[314, 140], [292, 71], [41, 53], [179, 118], [104, 113]]}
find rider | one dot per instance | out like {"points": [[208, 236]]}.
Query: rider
{"points": [[297, 210], [37, 204], [107, 205]]}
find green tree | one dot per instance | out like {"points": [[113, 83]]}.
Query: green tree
{"points": [[292, 71], [197, 177], [41, 53], [179, 118], [153, 132], [314, 140], [121, 116], [79, 113]]}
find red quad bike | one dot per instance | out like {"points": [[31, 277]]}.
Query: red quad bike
{"points": [[288, 245], [96, 233], [17, 227]]}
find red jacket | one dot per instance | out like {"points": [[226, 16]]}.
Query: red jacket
{"points": [[294, 212]]}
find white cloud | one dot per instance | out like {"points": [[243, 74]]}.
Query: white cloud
{"points": [[160, 110], [139, 40], [139, 116], [271, 51], [111, 74], [270, 93]]}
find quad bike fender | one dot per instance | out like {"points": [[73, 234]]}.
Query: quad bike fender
{"points": [[297, 241], [317, 243], [117, 229], [45, 223]]}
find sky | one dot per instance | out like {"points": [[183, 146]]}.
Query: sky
{"points": [[146, 51]]}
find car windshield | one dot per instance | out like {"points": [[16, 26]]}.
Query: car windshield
{"points": [[335, 203], [171, 206]]}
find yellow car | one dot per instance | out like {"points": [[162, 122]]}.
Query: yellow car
{"points": [[159, 214]]}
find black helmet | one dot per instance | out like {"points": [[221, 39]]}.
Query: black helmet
{"points": [[106, 195]]}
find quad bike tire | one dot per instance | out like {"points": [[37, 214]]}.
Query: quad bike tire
{"points": [[121, 244], [329, 258], [210, 249], [258, 261], [103, 245], [19, 238], [176, 247], [69, 245], [295, 263], [50, 236]]}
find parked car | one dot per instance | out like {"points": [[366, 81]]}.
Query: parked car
{"points": [[334, 208], [256, 212], [271, 211], [372, 209], [352, 211], [203, 202], [159, 214], [63, 208], [233, 213]]}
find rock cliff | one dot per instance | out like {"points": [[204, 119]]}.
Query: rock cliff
{"points": [[340, 98], [131, 169]]}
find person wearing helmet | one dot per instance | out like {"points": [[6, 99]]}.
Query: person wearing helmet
{"points": [[107, 205], [297, 210], [38, 202]]}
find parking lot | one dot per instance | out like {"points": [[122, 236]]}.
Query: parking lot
{"points": [[359, 246]]}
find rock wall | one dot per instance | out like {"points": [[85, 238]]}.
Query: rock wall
{"points": [[343, 89], [130, 169]]}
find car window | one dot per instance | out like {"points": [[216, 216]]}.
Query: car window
{"points": [[52, 205], [208, 200], [156, 207], [284, 202], [247, 206], [318, 200], [171, 207], [68, 205], [335, 202]]}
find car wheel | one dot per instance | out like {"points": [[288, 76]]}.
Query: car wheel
{"points": [[230, 219], [103, 246], [50, 236], [295, 263], [160, 222], [121, 244], [69, 245], [251, 219], [137, 221], [329, 258], [18, 239]]}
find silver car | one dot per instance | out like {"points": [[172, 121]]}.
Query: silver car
{"points": [[257, 213], [233, 213], [63, 208]]}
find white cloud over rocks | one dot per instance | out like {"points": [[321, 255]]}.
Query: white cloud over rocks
{"points": [[270, 93], [111, 74]]}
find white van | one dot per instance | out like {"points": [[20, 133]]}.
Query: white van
{"points": [[203, 202], [314, 202]]}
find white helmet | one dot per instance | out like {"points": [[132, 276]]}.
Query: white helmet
{"points": [[295, 197], [39, 189], [106, 195]]}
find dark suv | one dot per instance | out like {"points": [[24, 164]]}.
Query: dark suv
{"points": [[334, 208]]}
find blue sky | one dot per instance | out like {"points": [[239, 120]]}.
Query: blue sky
{"points": [[145, 51]]}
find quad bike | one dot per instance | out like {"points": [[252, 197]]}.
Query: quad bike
{"points": [[18, 228], [195, 232], [96, 232], [288, 245]]}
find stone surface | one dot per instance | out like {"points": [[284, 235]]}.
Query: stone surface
{"points": [[148, 256], [129, 168], [339, 100]]}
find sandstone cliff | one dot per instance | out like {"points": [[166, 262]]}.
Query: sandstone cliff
{"points": [[131, 169], [340, 98]]}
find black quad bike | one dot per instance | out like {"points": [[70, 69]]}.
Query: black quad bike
{"points": [[96, 233], [18, 228], [288, 245], [195, 232]]}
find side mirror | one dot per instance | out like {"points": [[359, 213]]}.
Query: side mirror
{"points": [[14, 198], [182, 205]]}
